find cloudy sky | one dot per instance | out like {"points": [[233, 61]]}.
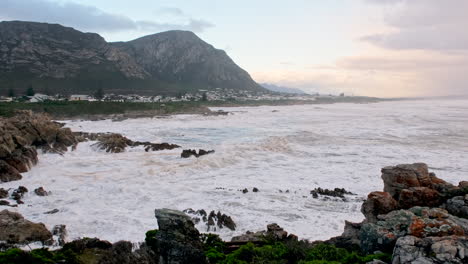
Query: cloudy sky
{"points": [[366, 47]]}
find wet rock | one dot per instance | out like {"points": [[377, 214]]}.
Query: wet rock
{"points": [[254, 189], [245, 190], [113, 143], [410, 249], [16, 230], [417, 221], [41, 192], [60, 231], [213, 221], [378, 203], [350, 237], [187, 153], [405, 176], [337, 192], [463, 185], [3, 193], [4, 203], [276, 231], [54, 211], [21, 135], [177, 241], [19, 193], [158, 147], [458, 206]]}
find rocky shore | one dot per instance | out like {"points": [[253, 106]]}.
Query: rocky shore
{"points": [[417, 218]]}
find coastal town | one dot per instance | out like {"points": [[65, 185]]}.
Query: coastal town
{"points": [[218, 94]]}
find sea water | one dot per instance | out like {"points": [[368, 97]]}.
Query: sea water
{"points": [[284, 151]]}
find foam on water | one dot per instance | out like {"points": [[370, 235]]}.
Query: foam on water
{"points": [[298, 148]]}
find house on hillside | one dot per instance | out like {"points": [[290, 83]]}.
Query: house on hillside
{"points": [[80, 97], [37, 98]]}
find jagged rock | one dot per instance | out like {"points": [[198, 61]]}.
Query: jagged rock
{"points": [[60, 231], [4, 203], [337, 192], [405, 176], [158, 147], [458, 206], [213, 220], [113, 143], [16, 230], [417, 221], [419, 196], [378, 203], [21, 135], [245, 190], [177, 241], [3, 193], [451, 249], [255, 189], [41, 192], [122, 253], [187, 153]]}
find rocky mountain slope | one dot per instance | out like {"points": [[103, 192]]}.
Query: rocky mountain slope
{"points": [[54, 58]]}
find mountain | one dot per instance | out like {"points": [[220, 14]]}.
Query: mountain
{"points": [[53, 58], [281, 89]]}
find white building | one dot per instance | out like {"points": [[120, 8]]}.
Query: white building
{"points": [[79, 97], [38, 98]]}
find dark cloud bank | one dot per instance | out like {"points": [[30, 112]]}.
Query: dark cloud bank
{"points": [[88, 18]]}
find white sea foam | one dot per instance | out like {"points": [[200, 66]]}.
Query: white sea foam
{"points": [[298, 148]]}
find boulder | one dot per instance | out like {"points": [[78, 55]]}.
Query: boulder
{"points": [[113, 143], [60, 232], [273, 232], [419, 196], [378, 203], [4, 203], [350, 237], [405, 176], [41, 192], [187, 153], [16, 230], [19, 193], [8, 172], [448, 249], [463, 185], [177, 241], [458, 206], [417, 221]]}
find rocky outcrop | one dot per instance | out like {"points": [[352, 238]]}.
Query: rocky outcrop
{"points": [[116, 143], [378, 203], [3, 193], [274, 232], [457, 206], [187, 153], [14, 229], [177, 240], [22, 135], [337, 192], [41, 192]]}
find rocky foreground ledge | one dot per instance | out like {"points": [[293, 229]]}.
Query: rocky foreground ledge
{"points": [[418, 218]]}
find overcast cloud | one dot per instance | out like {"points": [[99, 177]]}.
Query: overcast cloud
{"points": [[423, 24], [89, 18]]}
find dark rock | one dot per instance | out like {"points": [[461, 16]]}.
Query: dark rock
{"points": [[113, 143], [122, 253], [3, 193], [61, 232], [41, 192], [337, 192], [350, 237], [463, 184], [52, 211], [254, 189], [4, 203], [17, 230], [273, 232], [19, 193], [245, 190], [177, 241], [158, 147], [8, 172], [187, 153], [378, 203], [458, 206]]}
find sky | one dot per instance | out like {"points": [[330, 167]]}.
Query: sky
{"points": [[385, 48]]}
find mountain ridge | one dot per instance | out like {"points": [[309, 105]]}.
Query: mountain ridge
{"points": [[60, 59]]}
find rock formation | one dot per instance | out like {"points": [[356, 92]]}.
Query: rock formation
{"points": [[419, 218], [22, 135], [187, 153]]}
